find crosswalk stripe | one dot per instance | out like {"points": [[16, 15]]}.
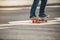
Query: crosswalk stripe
{"points": [[27, 22]]}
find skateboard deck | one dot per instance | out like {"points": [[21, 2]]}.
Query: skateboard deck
{"points": [[38, 20]]}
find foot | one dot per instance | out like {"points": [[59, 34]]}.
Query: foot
{"points": [[43, 16], [32, 16]]}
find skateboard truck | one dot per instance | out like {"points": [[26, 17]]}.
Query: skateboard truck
{"points": [[36, 20]]}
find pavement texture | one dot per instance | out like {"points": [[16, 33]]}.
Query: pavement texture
{"points": [[29, 32]]}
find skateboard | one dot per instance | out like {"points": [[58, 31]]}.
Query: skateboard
{"points": [[38, 20]]}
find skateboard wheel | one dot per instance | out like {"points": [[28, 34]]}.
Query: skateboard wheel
{"points": [[32, 21], [45, 20], [39, 22]]}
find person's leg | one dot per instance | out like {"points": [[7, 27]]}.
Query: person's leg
{"points": [[33, 9], [42, 8]]}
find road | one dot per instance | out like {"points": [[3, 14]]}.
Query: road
{"points": [[29, 32]]}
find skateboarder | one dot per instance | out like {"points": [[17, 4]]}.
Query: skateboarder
{"points": [[42, 8]]}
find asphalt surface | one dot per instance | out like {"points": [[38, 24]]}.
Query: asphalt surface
{"points": [[29, 32]]}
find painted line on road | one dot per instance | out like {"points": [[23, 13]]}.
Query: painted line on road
{"points": [[28, 22], [11, 8], [4, 27], [20, 8]]}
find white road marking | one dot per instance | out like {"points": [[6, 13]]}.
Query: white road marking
{"points": [[27, 8], [28, 22], [4, 27], [11, 8]]}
